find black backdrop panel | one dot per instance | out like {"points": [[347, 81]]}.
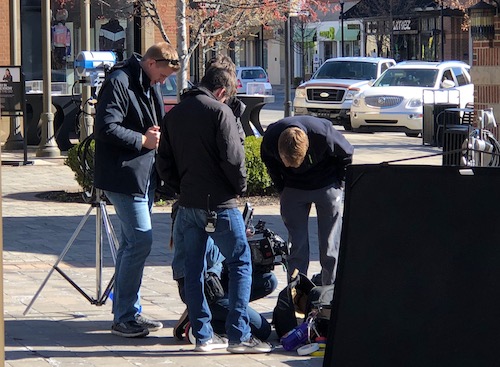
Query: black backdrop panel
{"points": [[418, 282]]}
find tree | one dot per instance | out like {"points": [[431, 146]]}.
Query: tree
{"points": [[303, 34], [227, 21]]}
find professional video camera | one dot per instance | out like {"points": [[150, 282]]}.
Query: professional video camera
{"points": [[267, 248]]}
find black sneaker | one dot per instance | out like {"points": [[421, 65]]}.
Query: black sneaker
{"points": [[129, 329], [180, 326], [251, 346], [151, 325], [215, 343]]}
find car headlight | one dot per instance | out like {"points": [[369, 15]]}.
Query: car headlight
{"points": [[351, 93], [414, 103], [357, 100], [300, 93]]}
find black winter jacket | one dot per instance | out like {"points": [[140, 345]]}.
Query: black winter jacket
{"points": [[328, 154], [201, 155], [124, 113]]}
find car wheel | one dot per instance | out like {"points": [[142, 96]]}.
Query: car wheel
{"points": [[412, 135]]}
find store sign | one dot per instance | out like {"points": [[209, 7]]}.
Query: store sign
{"points": [[11, 90], [328, 34], [403, 25]]}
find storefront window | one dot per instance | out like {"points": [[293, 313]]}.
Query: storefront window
{"points": [[111, 29]]}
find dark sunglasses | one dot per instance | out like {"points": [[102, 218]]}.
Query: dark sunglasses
{"points": [[171, 62]]}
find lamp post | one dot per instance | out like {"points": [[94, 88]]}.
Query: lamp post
{"points": [[48, 146], [288, 102], [342, 28], [87, 122], [442, 30]]}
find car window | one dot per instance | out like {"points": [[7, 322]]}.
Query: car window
{"points": [[169, 87], [462, 78], [447, 75], [408, 78], [384, 67], [253, 74], [347, 70]]}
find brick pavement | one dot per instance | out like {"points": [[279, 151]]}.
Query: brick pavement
{"points": [[63, 328]]}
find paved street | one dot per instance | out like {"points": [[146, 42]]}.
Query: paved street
{"points": [[63, 328]]}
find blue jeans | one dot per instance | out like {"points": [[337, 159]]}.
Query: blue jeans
{"points": [[136, 240], [263, 284], [213, 257], [231, 239]]}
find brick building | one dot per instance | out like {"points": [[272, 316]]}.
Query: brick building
{"points": [[485, 71]]}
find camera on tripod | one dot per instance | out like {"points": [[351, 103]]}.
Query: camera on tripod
{"points": [[267, 248]]}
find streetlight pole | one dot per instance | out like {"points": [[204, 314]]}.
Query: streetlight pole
{"points": [[48, 146], [342, 28], [442, 30], [87, 122], [288, 102]]}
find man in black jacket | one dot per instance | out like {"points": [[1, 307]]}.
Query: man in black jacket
{"points": [[202, 158], [127, 134], [306, 158]]}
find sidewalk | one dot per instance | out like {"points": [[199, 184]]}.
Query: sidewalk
{"points": [[63, 328]]}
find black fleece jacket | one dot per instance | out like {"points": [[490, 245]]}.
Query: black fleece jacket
{"points": [[124, 113], [328, 154], [201, 156]]}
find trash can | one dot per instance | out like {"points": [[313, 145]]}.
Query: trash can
{"points": [[434, 118], [454, 137], [254, 104]]}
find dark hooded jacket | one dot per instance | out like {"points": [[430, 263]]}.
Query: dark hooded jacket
{"points": [[326, 159], [127, 106], [201, 156]]}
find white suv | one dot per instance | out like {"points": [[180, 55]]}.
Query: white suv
{"points": [[330, 90], [251, 74], [395, 101]]}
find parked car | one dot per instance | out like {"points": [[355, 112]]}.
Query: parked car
{"points": [[169, 91], [251, 74], [332, 87], [395, 100]]}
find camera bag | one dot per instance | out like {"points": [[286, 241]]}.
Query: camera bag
{"points": [[301, 300]]}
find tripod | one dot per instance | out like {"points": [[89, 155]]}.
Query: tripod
{"points": [[102, 218]]}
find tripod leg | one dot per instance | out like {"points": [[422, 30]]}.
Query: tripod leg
{"points": [[61, 256], [110, 232]]}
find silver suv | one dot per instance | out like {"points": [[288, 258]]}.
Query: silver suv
{"points": [[330, 90]]}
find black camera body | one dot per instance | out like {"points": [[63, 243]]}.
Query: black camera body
{"points": [[269, 249]]}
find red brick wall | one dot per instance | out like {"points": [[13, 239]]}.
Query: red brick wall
{"points": [[4, 32], [484, 71], [166, 10]]}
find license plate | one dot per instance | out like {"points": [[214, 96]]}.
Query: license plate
{"points": [[324, 114]]}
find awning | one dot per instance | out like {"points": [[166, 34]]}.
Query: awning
{"points": [[349, 35]]}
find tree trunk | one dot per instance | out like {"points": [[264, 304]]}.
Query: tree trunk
{"points": [[182, 74]]}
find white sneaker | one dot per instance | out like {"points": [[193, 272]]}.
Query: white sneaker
{"points": [[251, 346], [216, 342]]}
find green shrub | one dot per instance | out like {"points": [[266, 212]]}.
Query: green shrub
{"points": [[81, 161], [258, 181]]}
